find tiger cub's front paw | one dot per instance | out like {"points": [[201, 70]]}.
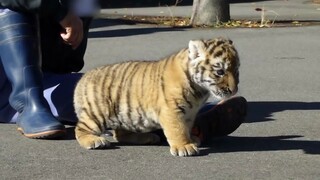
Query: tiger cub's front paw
{"points": [[184, 150], [91, 141]]}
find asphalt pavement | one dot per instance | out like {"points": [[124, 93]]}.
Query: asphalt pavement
{"points": [[279, 76]]}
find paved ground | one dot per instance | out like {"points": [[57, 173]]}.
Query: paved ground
{"points": [[280, 77], [274, 9]]}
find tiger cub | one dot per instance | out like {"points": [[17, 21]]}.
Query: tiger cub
{"points": [[134, 98]]}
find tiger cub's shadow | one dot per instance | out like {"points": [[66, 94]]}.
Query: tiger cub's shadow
{"points": [[70, 135]]}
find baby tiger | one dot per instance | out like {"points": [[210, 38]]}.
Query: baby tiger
{"points": [[134, 98]]}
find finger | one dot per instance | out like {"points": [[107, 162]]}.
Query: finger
{"points": [[70, 38], [66, 36], [78, 40], [79, 29]]}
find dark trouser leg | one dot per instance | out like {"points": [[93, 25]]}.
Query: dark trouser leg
{"points": [[58, 57], [59, 60], [20, 58], [58, 91]]}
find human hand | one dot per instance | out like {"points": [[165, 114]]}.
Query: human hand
{"points": [[73, 30]]}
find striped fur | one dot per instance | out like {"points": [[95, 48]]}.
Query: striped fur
{"points": [[136, 97]]}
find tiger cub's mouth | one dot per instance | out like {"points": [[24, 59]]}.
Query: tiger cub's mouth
{"points": [[224, 93]]}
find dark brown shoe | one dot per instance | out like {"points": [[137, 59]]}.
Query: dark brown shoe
{"points": [[220, 119]]}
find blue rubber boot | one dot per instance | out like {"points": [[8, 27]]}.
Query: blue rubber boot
{"points": [[20, 57]]}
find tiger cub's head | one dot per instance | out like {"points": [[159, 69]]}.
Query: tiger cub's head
{"points": [[215, 66]]}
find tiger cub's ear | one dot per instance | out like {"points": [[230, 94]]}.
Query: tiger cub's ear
{"points": [[196, 48]]}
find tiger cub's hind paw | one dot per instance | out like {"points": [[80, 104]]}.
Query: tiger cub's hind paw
{"points": [[184, 150], [91, 141]]}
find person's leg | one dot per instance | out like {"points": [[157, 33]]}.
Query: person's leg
{"points": [[58, 61], [19, 52], [57, 56], [58, 91], [216, 120], [6, 111]]}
